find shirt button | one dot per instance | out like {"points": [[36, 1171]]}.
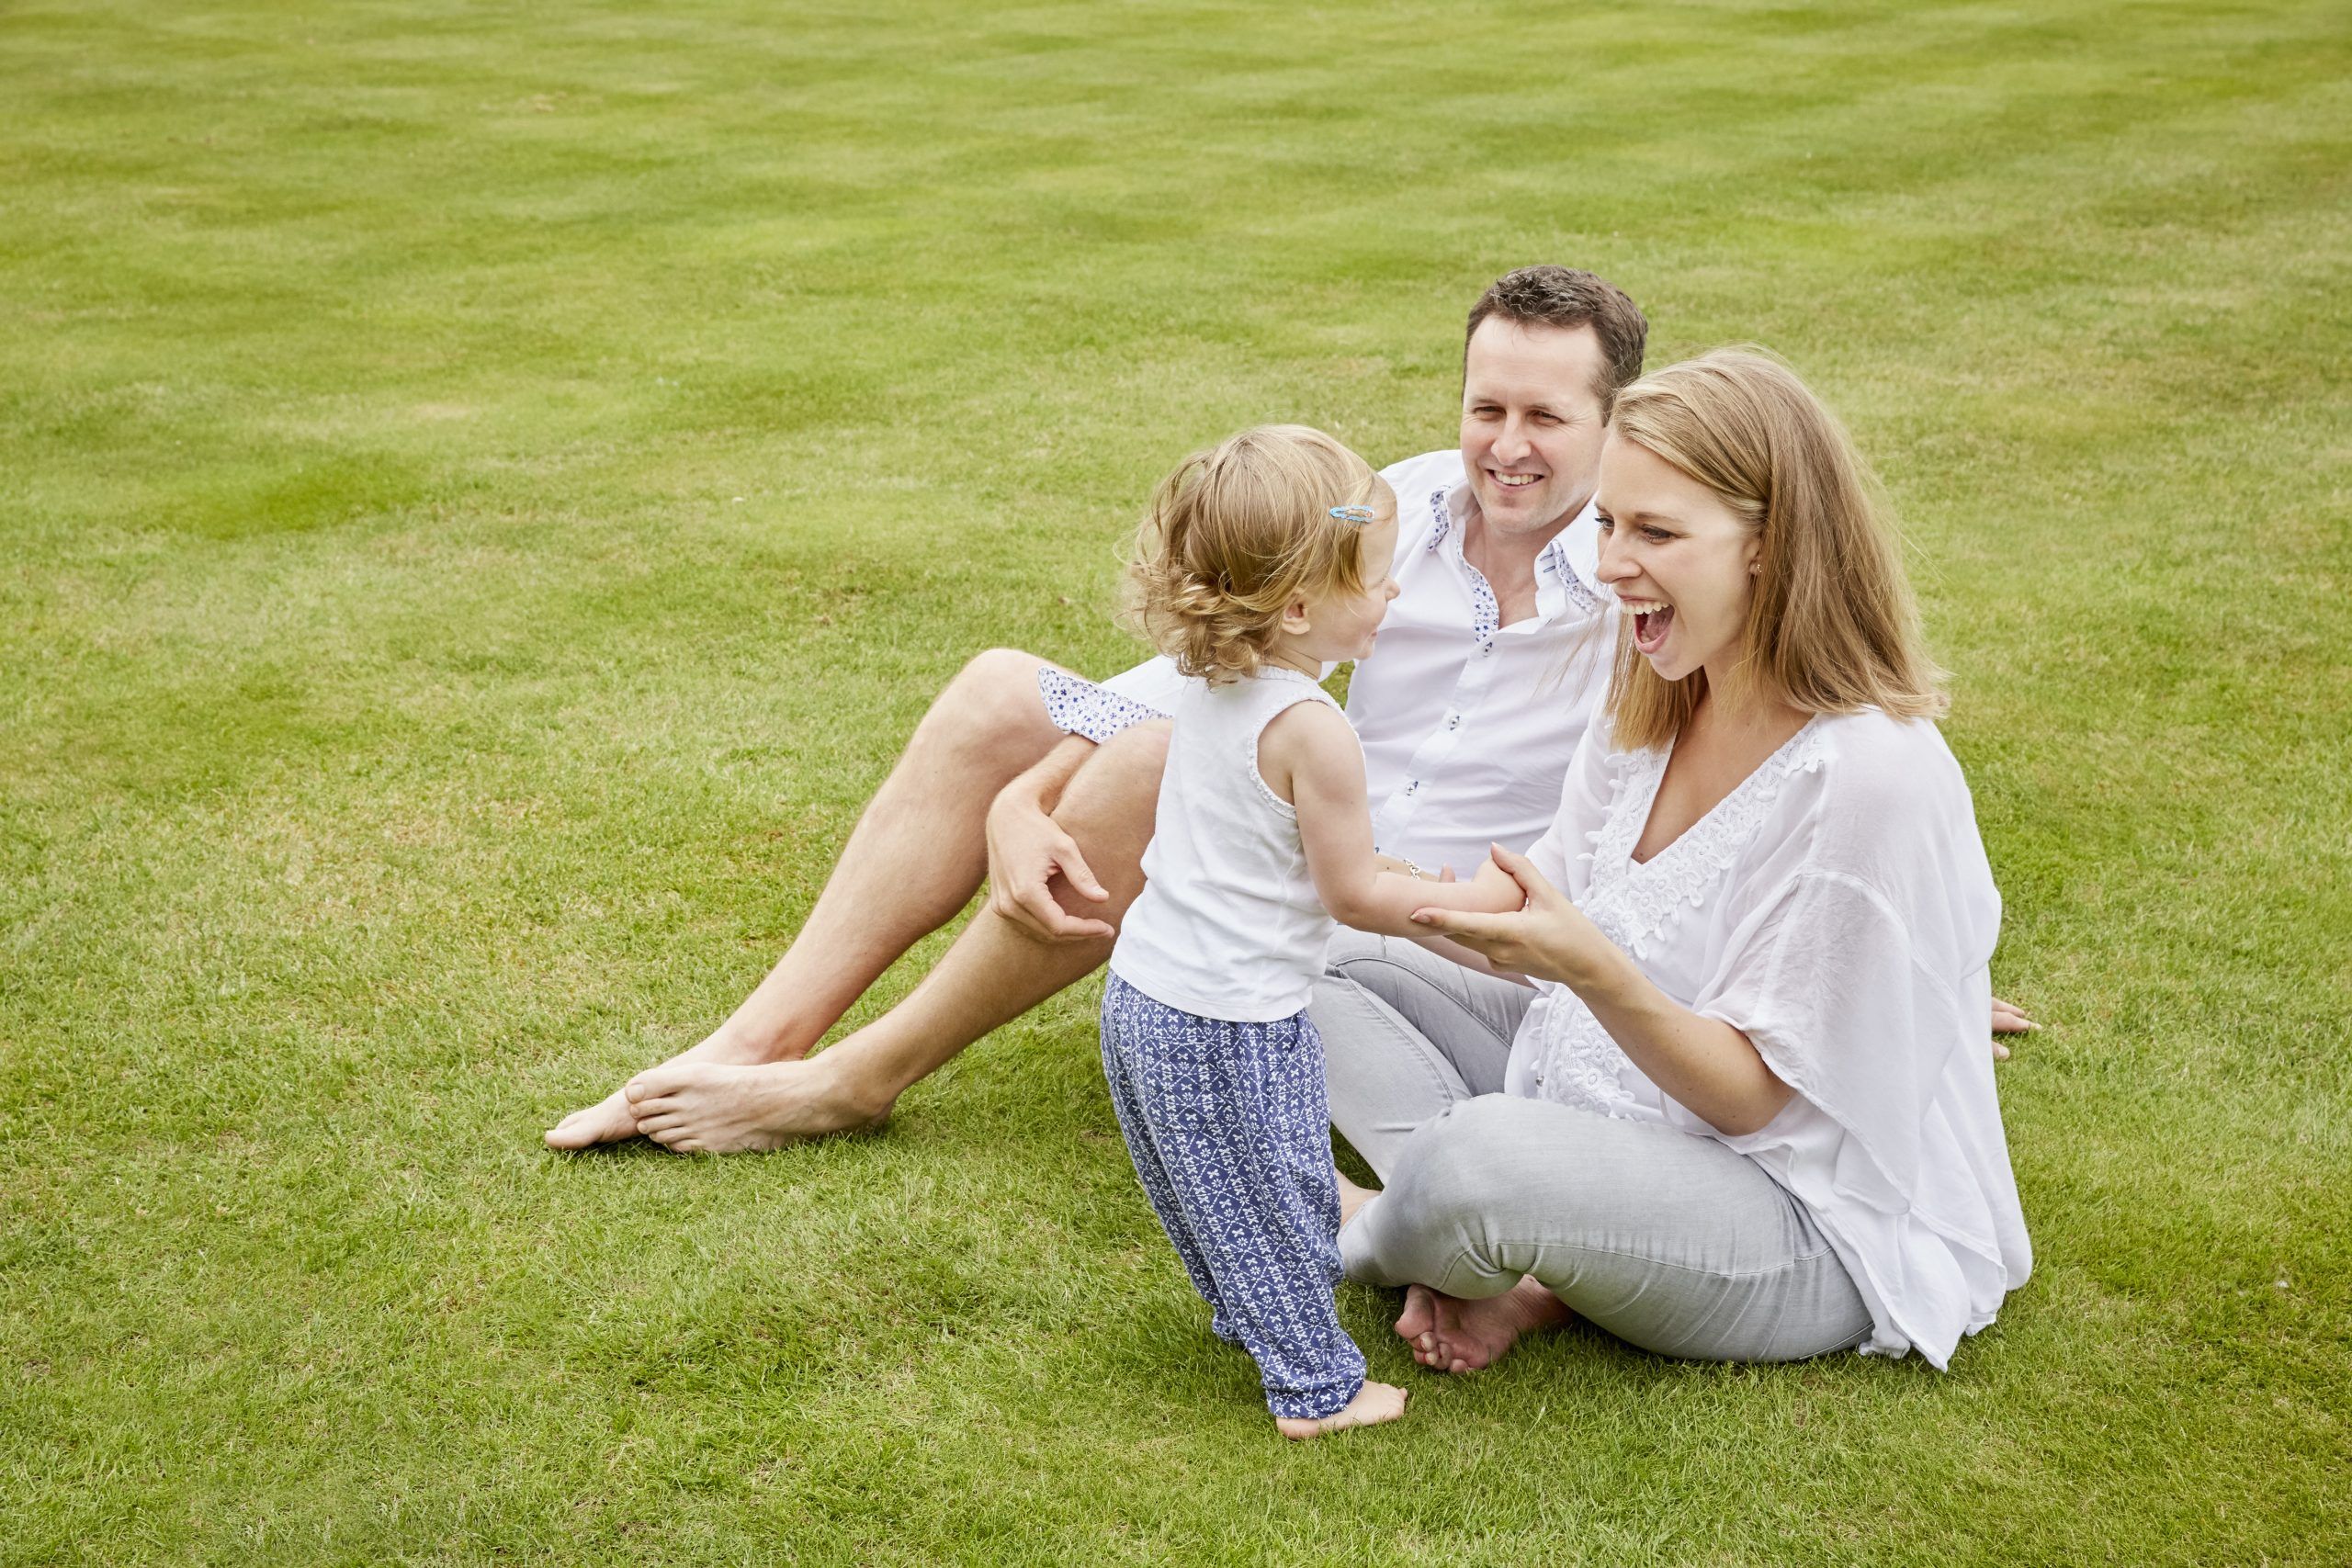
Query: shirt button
{"points": [[1453, 721]]}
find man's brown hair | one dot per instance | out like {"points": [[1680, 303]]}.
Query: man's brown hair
{"points": [[1567, 297]]}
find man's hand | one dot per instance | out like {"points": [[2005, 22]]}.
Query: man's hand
{"points": [[1026, 848]]}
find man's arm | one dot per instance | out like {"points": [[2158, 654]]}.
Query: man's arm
{"points": [[1026, 848]]}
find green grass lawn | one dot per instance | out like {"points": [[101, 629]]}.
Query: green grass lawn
{"points": [[486, 490]]}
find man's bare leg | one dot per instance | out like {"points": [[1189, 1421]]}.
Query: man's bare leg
{"points": [[993, 973], [914, 859]]}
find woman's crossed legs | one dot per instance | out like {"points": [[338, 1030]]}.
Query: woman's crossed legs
{"points": [[1503, 1214]]}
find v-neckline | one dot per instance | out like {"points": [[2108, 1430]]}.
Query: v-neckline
{"points": [[1648, 804]]}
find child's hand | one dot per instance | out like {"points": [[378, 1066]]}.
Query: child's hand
{"points": [[1498, 890]]}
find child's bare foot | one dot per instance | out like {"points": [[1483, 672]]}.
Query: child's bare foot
{"points": [[1373, 1404], [1450, 1335]]}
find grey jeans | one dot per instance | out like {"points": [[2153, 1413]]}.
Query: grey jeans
{"points": [[1668, 1240]]}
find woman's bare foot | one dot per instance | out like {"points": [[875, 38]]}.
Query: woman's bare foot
{"points": [[721, 1108], [1450, 1335], [1419, 1317], [1373, 1404], [1351, 1197]]}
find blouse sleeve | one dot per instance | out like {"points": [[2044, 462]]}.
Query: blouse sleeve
{"points": [[1825, 981], [1564, 854]]}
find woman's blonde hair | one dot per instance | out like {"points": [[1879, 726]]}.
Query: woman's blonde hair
{"points": [[1241, 530], [1832, 626]]}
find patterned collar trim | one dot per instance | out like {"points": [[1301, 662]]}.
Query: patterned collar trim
{"points": [[1450, 504]]}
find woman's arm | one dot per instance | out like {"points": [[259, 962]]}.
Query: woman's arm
{"points": [[1311, 754], [1704, 1063]]}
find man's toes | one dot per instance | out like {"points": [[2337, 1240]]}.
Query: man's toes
{"points": [[607, 1122], [572, 1133]]}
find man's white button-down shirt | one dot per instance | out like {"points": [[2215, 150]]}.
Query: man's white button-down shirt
{"points": [[1468, 725]]}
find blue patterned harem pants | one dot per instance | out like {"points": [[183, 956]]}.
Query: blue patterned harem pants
{"points": [[1231, 1139]]}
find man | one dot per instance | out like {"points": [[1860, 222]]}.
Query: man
{"points": [[1469, 708]]}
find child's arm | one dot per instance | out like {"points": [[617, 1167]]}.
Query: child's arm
{"points": [[1310, 756]]}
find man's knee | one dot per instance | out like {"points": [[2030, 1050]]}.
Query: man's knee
{"points": [[993, 703]]}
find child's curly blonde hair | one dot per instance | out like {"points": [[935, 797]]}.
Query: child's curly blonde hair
{"points": [[1241, 530]]}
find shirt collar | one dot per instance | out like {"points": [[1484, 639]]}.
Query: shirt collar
{"points": [[1450, 511]]}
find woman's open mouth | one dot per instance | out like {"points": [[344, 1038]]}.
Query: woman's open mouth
{"points": [[1652, 620]]}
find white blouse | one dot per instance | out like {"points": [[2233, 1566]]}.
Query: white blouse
{"points": [[1837, 910]]}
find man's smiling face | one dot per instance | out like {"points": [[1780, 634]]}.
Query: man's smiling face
{"points": [[1531, 428]]}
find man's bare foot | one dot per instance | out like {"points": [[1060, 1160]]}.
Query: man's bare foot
{"points": [[1351, 1198], [609, 1120], [721, 1108], [1450, 1335], [1373, 1404], [613, 1120]]}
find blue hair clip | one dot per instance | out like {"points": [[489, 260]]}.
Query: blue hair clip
{"points": [[1359, 515]]}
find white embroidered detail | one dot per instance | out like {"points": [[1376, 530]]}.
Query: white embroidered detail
{"points": [[1633, 905], [1081, 707]]}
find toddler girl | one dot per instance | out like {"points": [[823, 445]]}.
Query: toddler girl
{"points": [[1260, 562]]}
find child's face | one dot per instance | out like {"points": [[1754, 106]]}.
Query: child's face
{"points": [[1342, 625]]}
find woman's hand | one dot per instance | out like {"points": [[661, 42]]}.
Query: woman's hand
{"points": [[1704, 1064], [1549, 939]]}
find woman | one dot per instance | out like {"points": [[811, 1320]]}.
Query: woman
{"points": [[1745, 1111]]}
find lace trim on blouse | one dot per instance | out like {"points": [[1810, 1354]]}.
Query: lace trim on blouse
{"points": [[1635, 905]]}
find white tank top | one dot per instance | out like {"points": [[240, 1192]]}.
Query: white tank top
{"points": [[1227, 925]]}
